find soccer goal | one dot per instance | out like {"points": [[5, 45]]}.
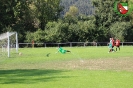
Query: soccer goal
{"points": [[8, 43]]}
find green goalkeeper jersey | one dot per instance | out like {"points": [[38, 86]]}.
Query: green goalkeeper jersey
{"points": [[61, 50]]}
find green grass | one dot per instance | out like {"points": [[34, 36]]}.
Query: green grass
{"points": [[33, 69]]}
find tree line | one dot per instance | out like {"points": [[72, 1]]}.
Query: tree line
{"points": [[42, 21], [84, 6]]}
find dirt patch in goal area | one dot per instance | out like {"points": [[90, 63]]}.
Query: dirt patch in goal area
{"points": [[119, 64]]}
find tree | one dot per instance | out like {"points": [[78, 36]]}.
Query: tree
{"points": [[87, 32], [47, 10], [71, 15], [16, 14], [106, 18], [7, 16], [103, 11], [37, 37], [119, 30], [56, 32], [73, 11], [84, 6]]}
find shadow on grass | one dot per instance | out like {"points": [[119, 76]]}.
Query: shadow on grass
{"points": [[29, 76]]}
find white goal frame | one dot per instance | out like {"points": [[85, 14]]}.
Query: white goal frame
{"points": [[7, 36]]}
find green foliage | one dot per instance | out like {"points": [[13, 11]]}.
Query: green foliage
{"points": [[47, 10], [23, 15], [40, 20], [38, 36], [70, 31], [128, 37], [70, 19], [7, 14], [108, 23], [15, 14], [84, 6], [73, 10], [120, 30], [52, 32], [56, 32], [104, 17]]}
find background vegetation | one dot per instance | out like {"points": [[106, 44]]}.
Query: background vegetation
{"points": [[65, 20]]}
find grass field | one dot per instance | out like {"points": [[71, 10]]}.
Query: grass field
{"points": [[84, 67]]}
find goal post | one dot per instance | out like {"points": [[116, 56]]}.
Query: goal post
{"points": [[9, 40]]}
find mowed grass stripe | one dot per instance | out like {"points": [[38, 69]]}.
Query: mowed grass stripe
{"points": [[97, 69], [33, 78]]}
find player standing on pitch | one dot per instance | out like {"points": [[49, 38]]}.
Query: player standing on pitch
{"points": [[110, 47], [117, 43], [113, 44]]}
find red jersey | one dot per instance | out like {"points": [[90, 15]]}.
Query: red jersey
{"points": [[113, 42], [117, 42]]}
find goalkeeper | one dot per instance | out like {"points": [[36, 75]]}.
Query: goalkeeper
{"points": [[60, 49]]}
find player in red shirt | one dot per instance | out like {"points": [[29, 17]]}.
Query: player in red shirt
{"points": [[117, 43], [113, 43]]}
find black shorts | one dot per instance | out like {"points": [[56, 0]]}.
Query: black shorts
{"points": [[112, 46], [118, 46]]}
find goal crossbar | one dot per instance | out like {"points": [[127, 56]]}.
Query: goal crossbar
{"points": [[7, 36]]}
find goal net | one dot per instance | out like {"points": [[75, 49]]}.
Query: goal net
{"points": [[8, 44]]}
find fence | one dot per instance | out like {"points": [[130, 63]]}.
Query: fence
{"points": [[71, 44]]}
